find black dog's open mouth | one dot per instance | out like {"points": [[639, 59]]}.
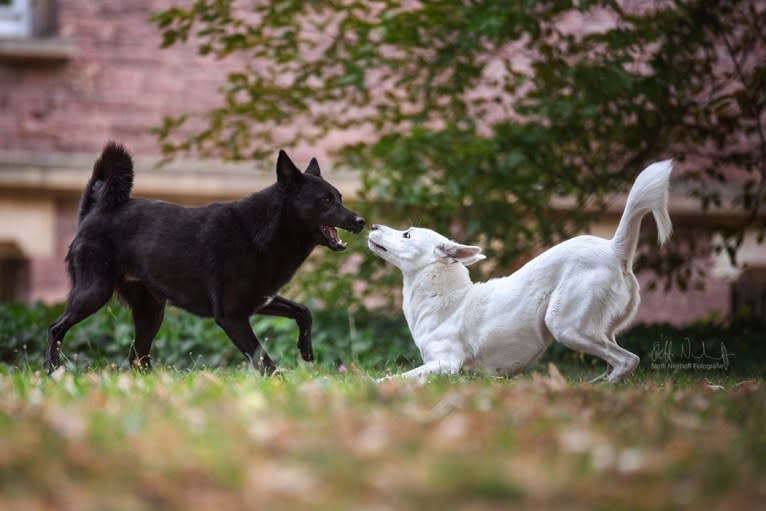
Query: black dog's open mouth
{"points": [[374, 245], [331, 238]]}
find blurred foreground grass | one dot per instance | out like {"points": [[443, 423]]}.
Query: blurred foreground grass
{"points": [[312, 439]]}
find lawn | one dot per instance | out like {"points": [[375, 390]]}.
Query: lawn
{"points": [[311, 438]]}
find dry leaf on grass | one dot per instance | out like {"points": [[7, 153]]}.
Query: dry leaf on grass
{"points": [[553, 382]]}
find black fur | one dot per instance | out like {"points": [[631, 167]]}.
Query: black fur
{"points": [[111, 181], [224, 260]]}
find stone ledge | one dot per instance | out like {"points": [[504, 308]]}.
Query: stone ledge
{"points": [[201, 181], [188, 181], [37, 51]]}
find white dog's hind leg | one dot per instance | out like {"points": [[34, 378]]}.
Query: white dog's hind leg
{"points": [[599, 345], [583, 322], [629, 362]]}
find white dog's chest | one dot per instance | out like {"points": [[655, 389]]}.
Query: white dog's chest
{"points": [[507, 357], [483, 333]]}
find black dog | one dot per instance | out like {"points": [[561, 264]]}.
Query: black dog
{"points": [[223, 260]]}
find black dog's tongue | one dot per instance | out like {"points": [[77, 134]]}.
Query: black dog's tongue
{"points": [[332, 237], [331, 233]]}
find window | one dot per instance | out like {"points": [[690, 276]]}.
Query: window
{"points": [[14, 273], [14, 280], [14, 18], [23, 19]]}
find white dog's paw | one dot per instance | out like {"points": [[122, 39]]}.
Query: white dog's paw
{"points": [[622, 371]]}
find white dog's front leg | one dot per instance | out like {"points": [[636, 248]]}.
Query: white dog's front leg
{"points": [[429, 368], [433, 367]]}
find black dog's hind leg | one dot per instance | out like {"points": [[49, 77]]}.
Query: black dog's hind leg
{"points": [[287, 309], [241, 334], [148, 312], [84, 300]]}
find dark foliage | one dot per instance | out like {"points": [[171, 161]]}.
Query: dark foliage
{"points": [[185, 341], [370, 340], [493, 120]]}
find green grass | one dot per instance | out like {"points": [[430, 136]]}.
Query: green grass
{"points": [[312, 438]]}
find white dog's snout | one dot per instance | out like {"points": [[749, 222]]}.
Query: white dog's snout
{"points": [[379, 232], [375, 233], [375, 240], [378, 228]]}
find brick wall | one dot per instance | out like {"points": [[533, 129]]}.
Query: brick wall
{"points": [[118, 86], [681, 308]]}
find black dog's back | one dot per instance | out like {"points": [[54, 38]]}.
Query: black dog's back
{"points": [[185, 261], [223, 260]]}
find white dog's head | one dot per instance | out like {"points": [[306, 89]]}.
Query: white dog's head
{"points": [[416, 248]]}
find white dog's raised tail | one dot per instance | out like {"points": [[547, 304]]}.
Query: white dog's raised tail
{"points": [[649, 194]]}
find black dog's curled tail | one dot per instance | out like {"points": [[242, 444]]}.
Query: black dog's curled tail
{"points": [[111, 181]]}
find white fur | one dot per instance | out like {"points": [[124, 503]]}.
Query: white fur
{"points": [[581, 293]]}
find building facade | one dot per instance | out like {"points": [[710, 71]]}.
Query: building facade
{"points": [[76, 73]]}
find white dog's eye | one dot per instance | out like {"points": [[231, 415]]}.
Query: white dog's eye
{"points": [[406, 235]]}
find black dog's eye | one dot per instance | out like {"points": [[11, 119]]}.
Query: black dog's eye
{"points": [[406, 235], [327, 200]]}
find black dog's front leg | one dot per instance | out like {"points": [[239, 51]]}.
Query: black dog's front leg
{"points": [[240, 332], [287, 309]]}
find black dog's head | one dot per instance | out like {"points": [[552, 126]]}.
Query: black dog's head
{"points": [[316, 202]]}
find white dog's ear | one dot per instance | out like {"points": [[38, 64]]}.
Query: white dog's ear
{"points": [[465, 254]]}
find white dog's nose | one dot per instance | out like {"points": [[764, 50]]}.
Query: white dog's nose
{"points": [[374, 227]]}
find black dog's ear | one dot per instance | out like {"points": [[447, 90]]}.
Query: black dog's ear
{"points": [[313, 168], [287, 172]]}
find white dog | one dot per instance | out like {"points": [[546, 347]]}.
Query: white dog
{"points": [[581, 293]]}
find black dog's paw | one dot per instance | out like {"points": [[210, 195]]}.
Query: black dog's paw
{"points": [[142, 365], [305, 348], [265, 365], [50, 366]]}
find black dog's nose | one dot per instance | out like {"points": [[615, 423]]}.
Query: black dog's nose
{"points": [[374, 227], [359, 221]]}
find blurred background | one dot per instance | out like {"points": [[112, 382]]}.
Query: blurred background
{"points": [[509, 126]]}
